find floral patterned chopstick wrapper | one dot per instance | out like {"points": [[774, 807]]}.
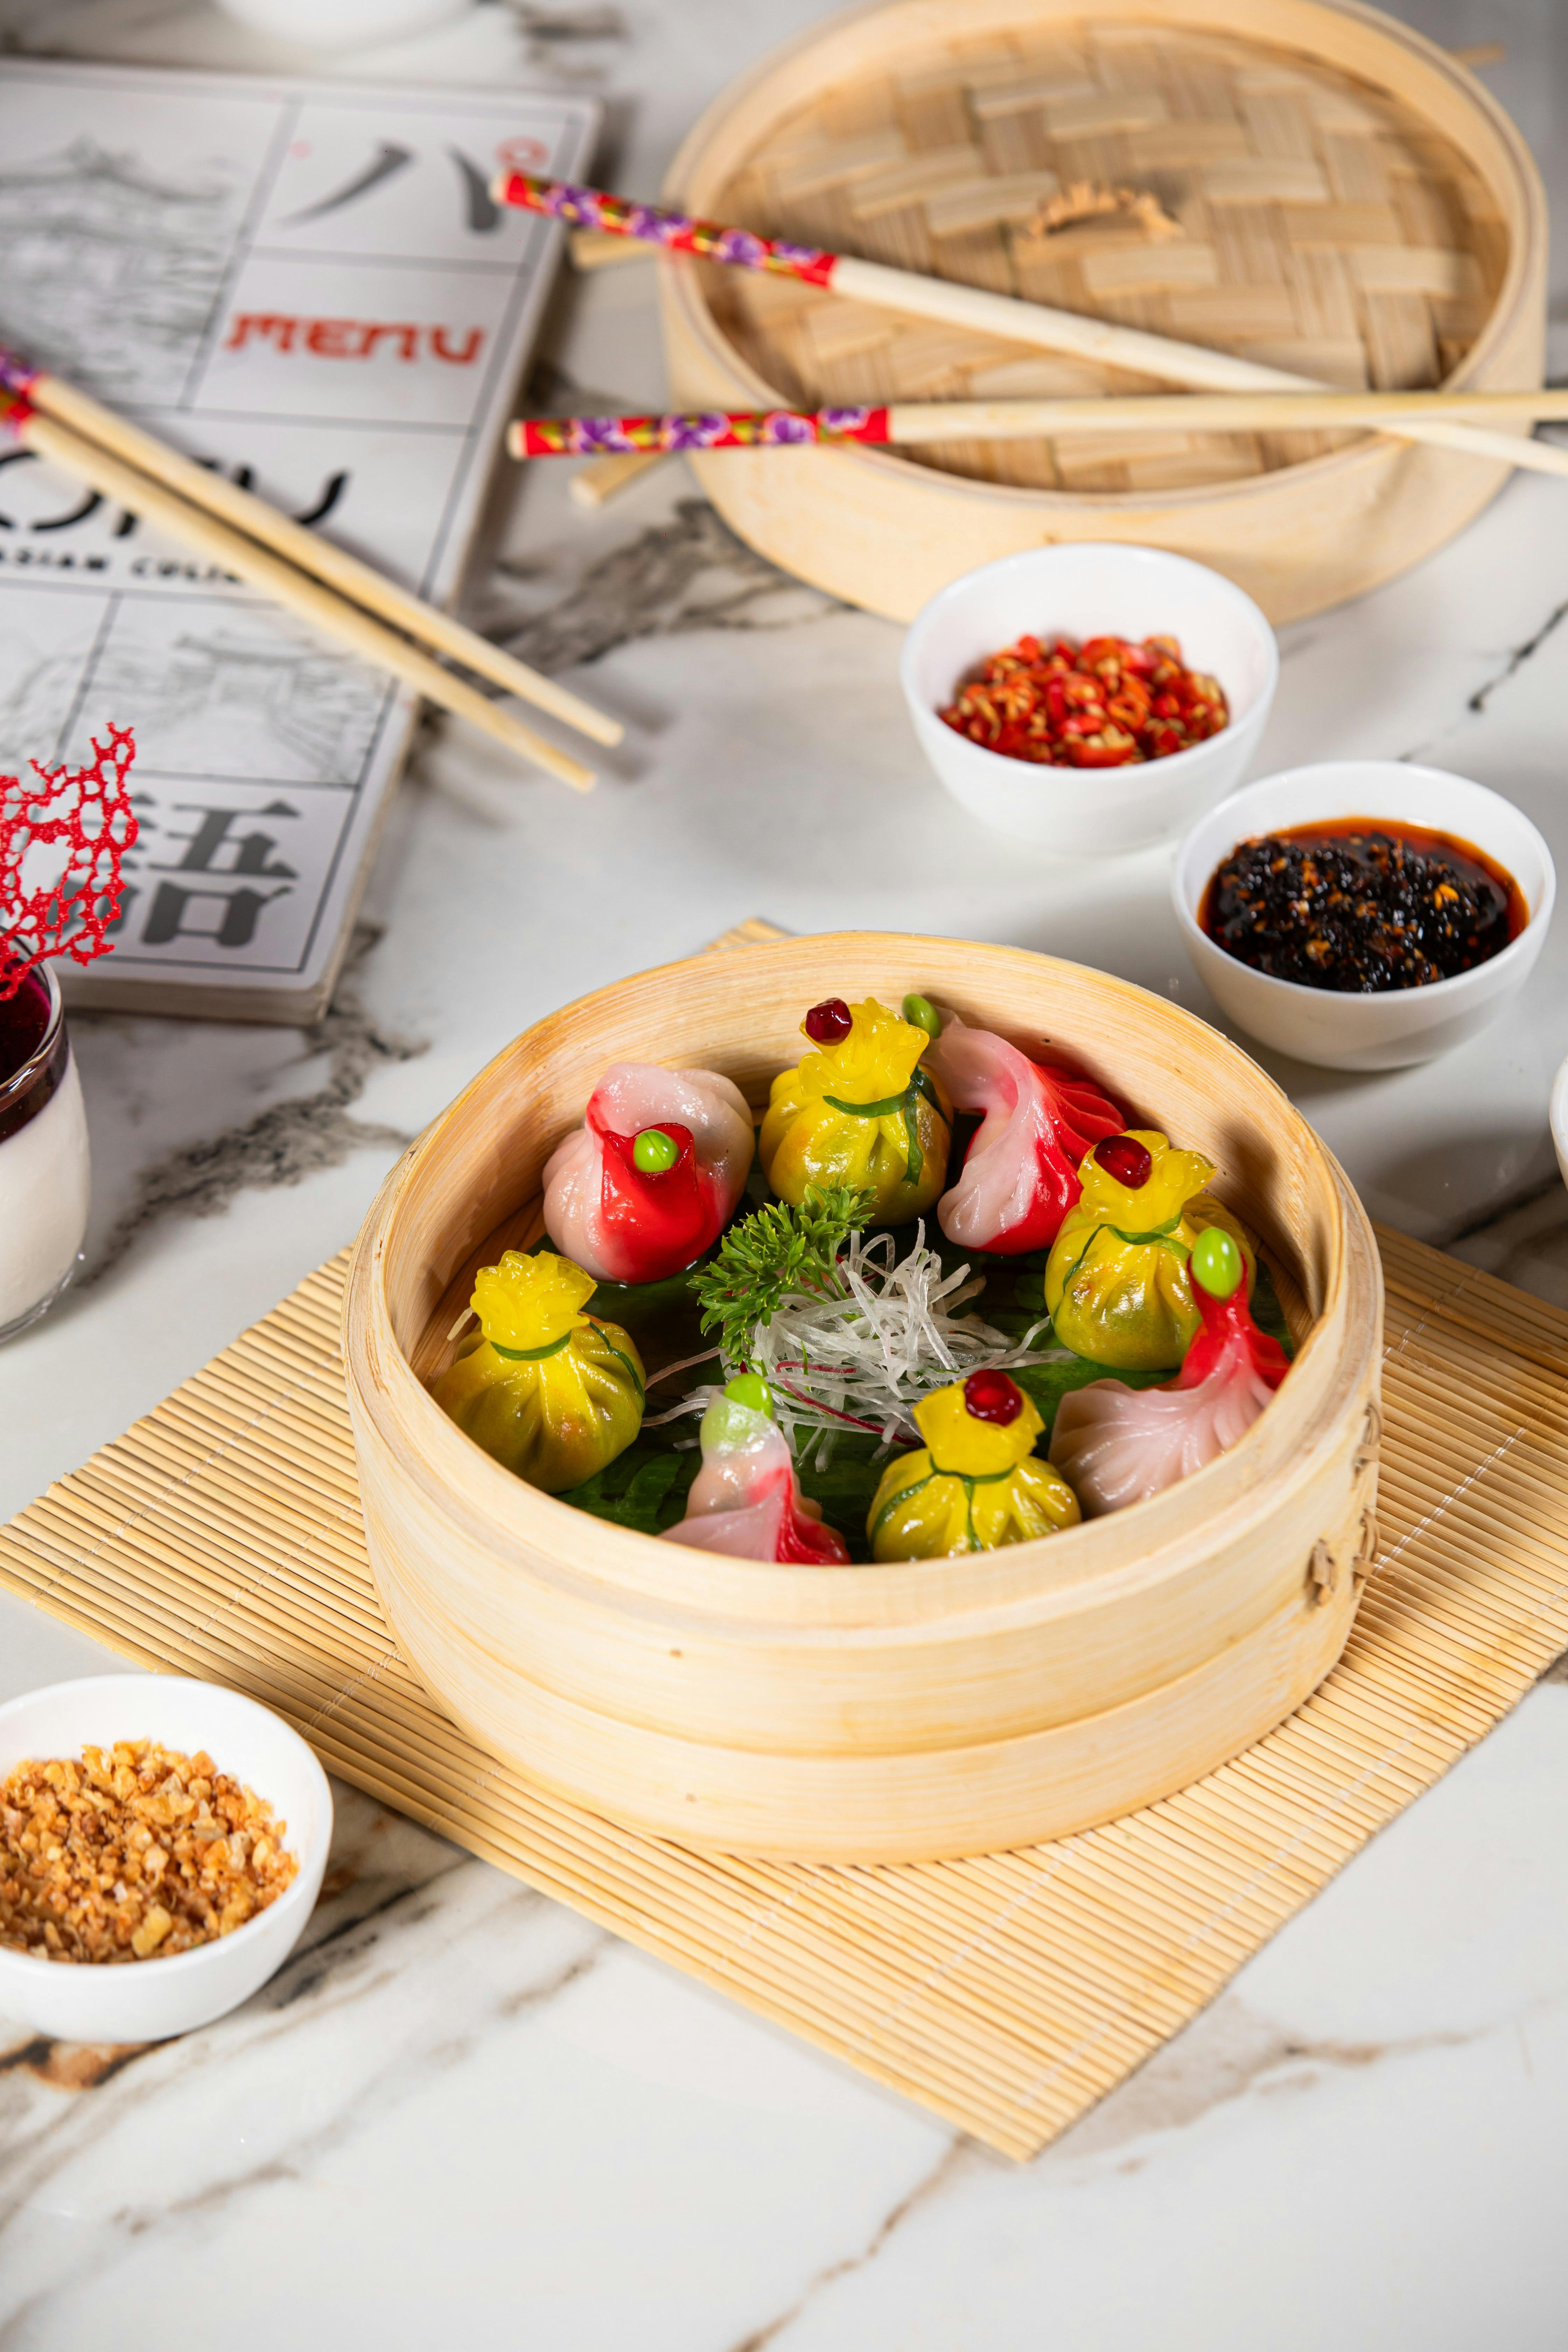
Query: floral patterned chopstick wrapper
{"points": [[17, 381], [16, 376], [675, 232], [594, 436], [600, 436]]}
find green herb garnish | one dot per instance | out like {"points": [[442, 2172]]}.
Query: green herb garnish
{"points": [[644, 1488], [768, 1256]]}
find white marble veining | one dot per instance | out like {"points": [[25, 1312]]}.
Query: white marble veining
{"points": [[461, 2108]]}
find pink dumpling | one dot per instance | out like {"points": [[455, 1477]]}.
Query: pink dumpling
{"points": [[746, 1500], [1019, 1177], [1116, 1444], [622, 1223]]}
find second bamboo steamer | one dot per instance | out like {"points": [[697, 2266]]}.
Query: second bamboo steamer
{"points": [[1310, 186]]}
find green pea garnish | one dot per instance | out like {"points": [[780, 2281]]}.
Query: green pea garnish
{"points": [[1217, 1263], [750, 1389], [655, 1152], [921, 1013]]}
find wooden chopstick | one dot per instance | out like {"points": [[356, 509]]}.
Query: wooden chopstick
{"points": [[642, 440], [212, 493], [597, 484], [296, 591], [976, 307], [587, 249]]}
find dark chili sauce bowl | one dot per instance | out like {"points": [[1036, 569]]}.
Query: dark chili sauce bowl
{"points": [[1357, 1028], [1361, 904]]}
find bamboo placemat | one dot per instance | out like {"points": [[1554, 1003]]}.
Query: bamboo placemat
{"points": [[221, 1537]]}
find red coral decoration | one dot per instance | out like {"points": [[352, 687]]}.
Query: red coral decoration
{"points": [[86, 813]]}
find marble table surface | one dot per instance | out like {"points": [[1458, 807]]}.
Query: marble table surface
{"points": [[461, 2107]]}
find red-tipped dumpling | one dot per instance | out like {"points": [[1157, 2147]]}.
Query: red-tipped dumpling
{"points": [[746, 1499], [1116, 1445], [631, 1216], [1019, 1177]]}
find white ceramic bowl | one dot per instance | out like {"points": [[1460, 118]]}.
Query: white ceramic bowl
{"points": [[1560, 1118], [343, 23], [1084, 591], [148, 2001], [1398, 1025]]}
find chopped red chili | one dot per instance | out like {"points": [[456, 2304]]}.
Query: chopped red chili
{"points": [[1106, 703]]}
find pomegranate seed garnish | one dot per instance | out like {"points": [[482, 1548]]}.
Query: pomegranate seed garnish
{"points": [[829, 1023], [992, 1396], [1124, 1157]]}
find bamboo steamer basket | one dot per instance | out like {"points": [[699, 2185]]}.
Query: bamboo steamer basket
{"points": [[1339, 198], [892, 1713]]}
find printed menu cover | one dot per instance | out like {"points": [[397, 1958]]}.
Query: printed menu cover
{"points": [[308, 286]]}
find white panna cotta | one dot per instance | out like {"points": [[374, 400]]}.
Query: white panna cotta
{"points": [[45, 1181]]}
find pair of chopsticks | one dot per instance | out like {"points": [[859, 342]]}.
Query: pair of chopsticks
{"points": [[1408, 416], [1014, 420], [344, 598]]}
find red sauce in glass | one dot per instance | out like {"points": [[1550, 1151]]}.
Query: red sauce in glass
{"points": [[23, 1018], [24, 1025]]}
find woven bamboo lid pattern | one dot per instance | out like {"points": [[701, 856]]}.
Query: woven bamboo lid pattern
{"points": [[1222, 190]]}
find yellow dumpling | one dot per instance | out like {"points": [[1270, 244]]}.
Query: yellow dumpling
{"points": [[551, 1393], [1116, 1281], [858, 1111], [976, 1483]]}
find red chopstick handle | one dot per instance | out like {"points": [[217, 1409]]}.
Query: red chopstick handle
{"points": [[605, 437], [675, 232], [16, 376]]}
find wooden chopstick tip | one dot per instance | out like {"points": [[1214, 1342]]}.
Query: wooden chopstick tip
{"points": [[594, 250], [594, 485]]}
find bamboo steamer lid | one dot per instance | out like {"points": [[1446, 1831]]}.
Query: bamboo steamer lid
{"points": [[1310, 186]]}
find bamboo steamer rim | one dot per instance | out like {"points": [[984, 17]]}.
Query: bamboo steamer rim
{"points": [[1050, 1575], [696, 178]]}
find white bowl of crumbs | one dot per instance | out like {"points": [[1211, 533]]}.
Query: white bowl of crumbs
{"points": [[161, 1847]]}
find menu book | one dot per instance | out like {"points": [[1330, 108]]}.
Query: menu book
{"points": [[308, 286]]}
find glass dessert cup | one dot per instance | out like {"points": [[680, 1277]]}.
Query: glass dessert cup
{"points": [[44, 1179]]}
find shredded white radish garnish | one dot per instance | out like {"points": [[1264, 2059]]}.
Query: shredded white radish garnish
{"points": [[862, 1362]]}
